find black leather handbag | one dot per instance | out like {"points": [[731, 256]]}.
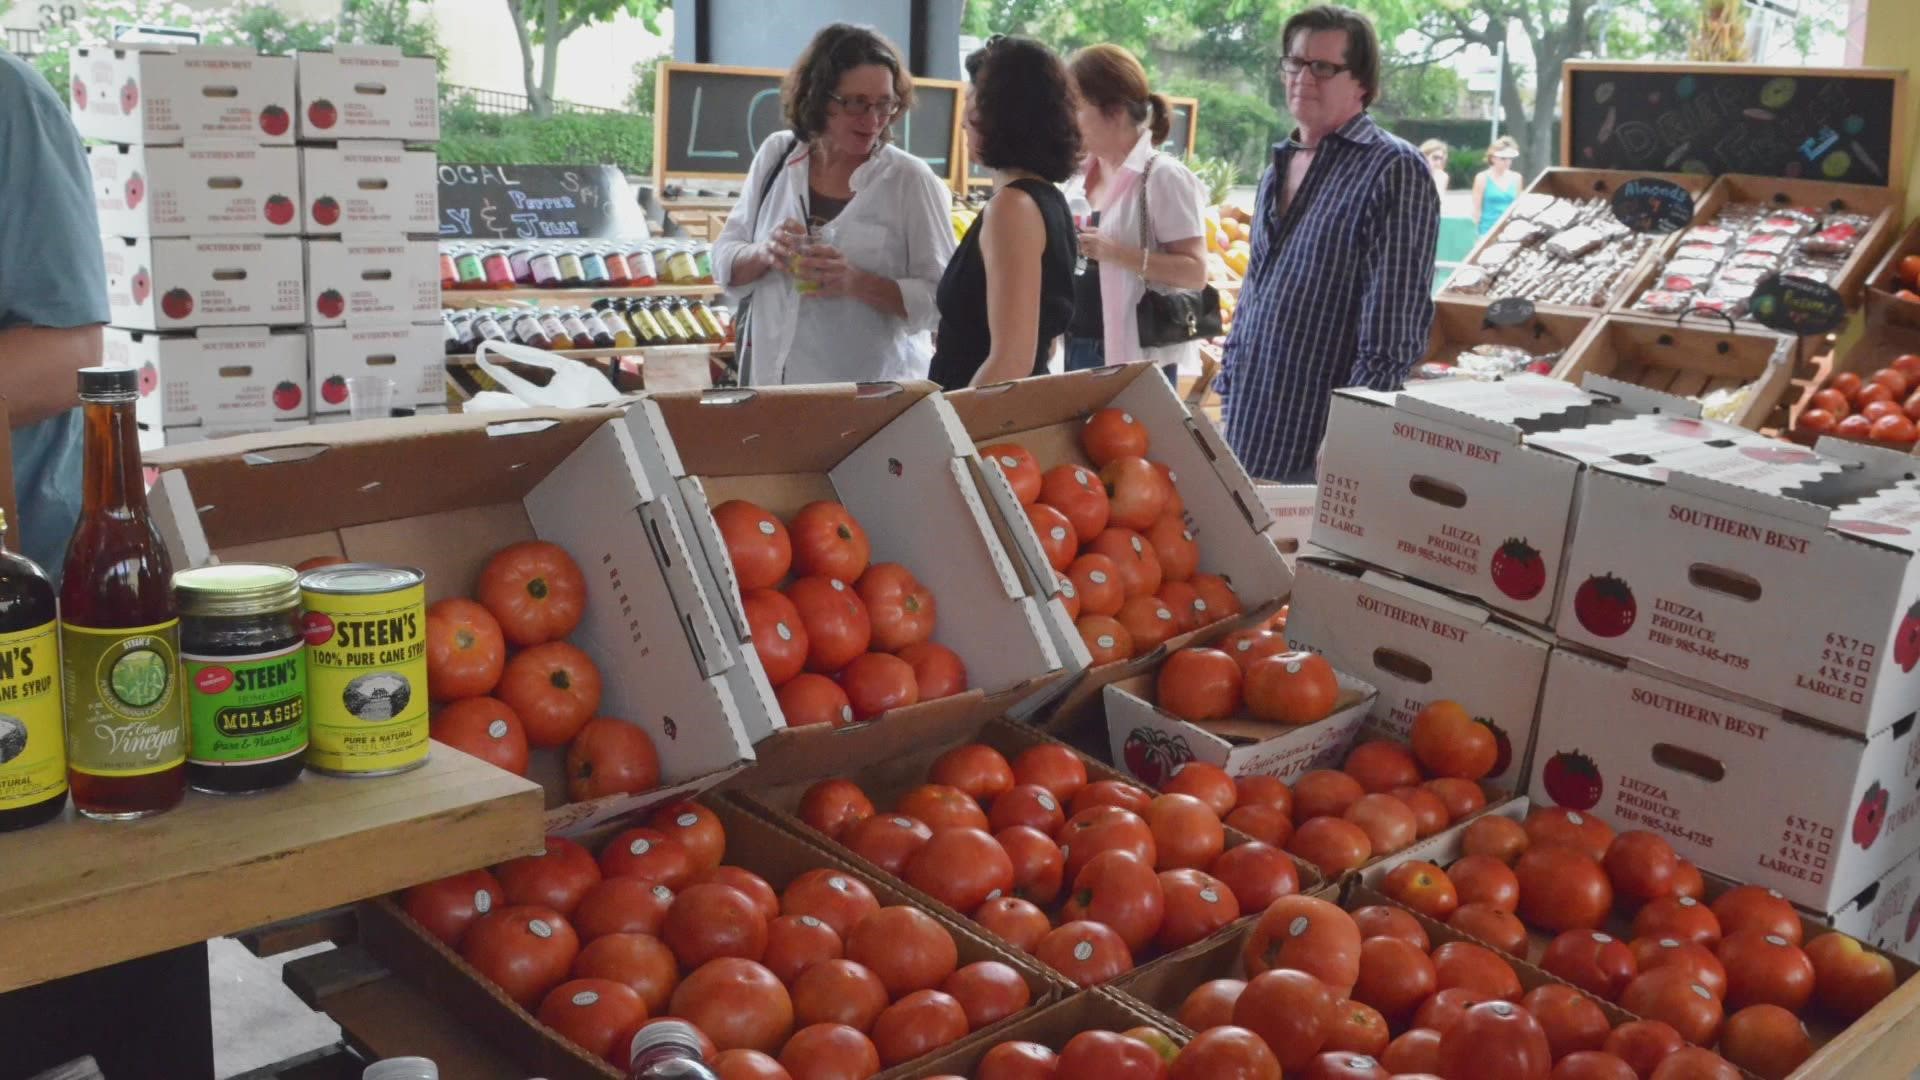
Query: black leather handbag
{"points": [[1174, 316]]}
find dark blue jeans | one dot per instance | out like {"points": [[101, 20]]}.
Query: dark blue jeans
{"points": [[1084, 354]]}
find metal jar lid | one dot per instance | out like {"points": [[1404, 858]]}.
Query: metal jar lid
{"points": [[360, 579], [237, 589]]}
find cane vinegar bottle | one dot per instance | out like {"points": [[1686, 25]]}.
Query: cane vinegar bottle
{"points": [[120, 627]]}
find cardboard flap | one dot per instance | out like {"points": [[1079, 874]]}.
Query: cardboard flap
{"points": [[1641, 399], [1233, 474], [988, 412], [791, 420], [670, 549], [705, 532], [1881, 461]]}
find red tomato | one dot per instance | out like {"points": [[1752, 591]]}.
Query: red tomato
{"points": [[486, 728], [1343, 1065], [621, 905], [611, 757], [736, 1003], [1269, 824], [828, 542], [988, 991], [1765, 1039], [836, 622], [535, 590], [709, 922], [833, 806], [445, 908], [779, 637], [1756, 908], [1415, 1053], [1324, 793], [640, 962], [1833, 401], [1483, 879], [825, 1051], [877, 683], [1878, 410], [1445, 1008], [1357, 1029], [1498, 837], [1112, 433], [1197, 904], [1107, 1055], [1694, 1063], [1571, 1019], [1871, 392], [1206, 782], [1017, 1061], [888, 840], [697, 828], [1687, 882], [1501, 929], [839, 992], [1332, 844], [1132, 557], [1186, 832], [937, 670], [797, 942], [1848, 979], [1893, 379], [1641, 866], [1429, 813], [1222, 601], [1104, 828], [1294, 688], [1496, 1040], [814, 699], [1856, 426], [1820, 421], [1136, 493], [1476, 967], [465, 650], [1019, 466], [1388, 822], [961, 868], [1118, 793], [1461, 797], [1308, 934], [902, 610], [1846, 382], [1077, 493], [1562, 889], [742, 1064], [757, 544], [525, 950], [1449, 742], [1087, 953], [1119, 889], [1026, 804], [1039, 866], [1199, 684], [974, 768], [1290, 1010], [1381, 920], [1893, 429], [647, 855], [556, 878], [1598, 963], [905, 947], [1149, 622], [917, 1025], [1680, 917], [1210, 1005], [1246, 646], [1669, 994], [1107, 641], [1052, 766], [1696, 959], [1175, 547], [1765, 969], [1225, 1052], [1592, 1065], [941, 806], [1257, 874], [840, 901], [1056, 534], [1017, 922], [554, 689], [1423, 887], [1395, 977], [1381, 766], [597, 1015]]}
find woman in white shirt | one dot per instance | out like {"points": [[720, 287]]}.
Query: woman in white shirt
{"points": [[846, 306], [1121, 122]]}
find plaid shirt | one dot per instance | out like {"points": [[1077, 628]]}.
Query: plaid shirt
{"points": [[1338, 292]]}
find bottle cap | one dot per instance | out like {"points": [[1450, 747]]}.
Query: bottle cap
{"points": [[676, 1033], [109, 384]]}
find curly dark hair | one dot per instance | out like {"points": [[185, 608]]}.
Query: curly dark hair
{"points": [[834, 51], [1022, 103]]}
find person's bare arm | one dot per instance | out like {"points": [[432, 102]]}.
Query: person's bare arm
{"points": [[37, 365], [1011, 243]]}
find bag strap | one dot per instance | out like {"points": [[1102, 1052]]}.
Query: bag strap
{"points": [[1146, 209], [773, 175]]}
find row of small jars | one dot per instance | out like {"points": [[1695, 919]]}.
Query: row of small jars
{"points": [[608, 324], [587, 264]]}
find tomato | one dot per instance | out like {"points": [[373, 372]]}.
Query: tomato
{"points": [[1326, 945], [1069, 596], [1848, 979], [1104, 828], [1562, 889], [1189, 610], [937, 670], [1291, 688], [1246, 646], [445, 908], [1290, 1010], [1694, 1063], [1908, 364], [974, 768], [1087, 953], [743, 1064], [1383, 920], [1186, 832], [535, 590], [1893, 379], [877, 683], [1107, 641], [697, 828], [1224, 1052], [1118, 793], [1324, 793], [1687, 881], [797, 942], [1832, 401], [1592, 1065], [1756, 908], [1119, 889], [1097, 580], [1357, 1028], [1197, 904], [988, 991], [1199, 684], [1496, 1040], [611, 757], [486, 728], [737, 1003], [1483, 879], [1765, 1039], [1476, 967], [839, 992], [1136, 493], [1332, 844], [525, 950], [1057, 538], [1078, 494], [814, 699], [1414, 1053], [1149, 622], [828, 542], [1497, 837], [1112, 433], [1380, 766], [840, 901], [647, 855], [1449, 742], [1501, 929], [1871, 392], [1343, 1065], [835, 622], [917, 1025], [1388, 822], [1598, 963], [1395, 977], [1556, 825], [1445, 1008], [1175, 548], [1696, 959], [1846, 382], [961, 868], [1429, 813], [553, 688], [902, 610], [887, 840], [640, 962], [1026, 804], [1019, 466], [1054, 767], [1017, 1061], [1017, 922], [1765, 969], [597, 1015], [1679, 917], [1895, 428], [1222, 601], [941, 806], [1461, 797], [1207, 782], [1210, 1005], [1039, 866], [1107, 1055], [779, 637], [1643, 1044], [1670, 994], [1641, 866], [556, 878], [711, 921], [833, 806], [466, 651], [1257, 874], [905, 947], [1571, 1019], [1856, 426], [757, 544], [1265, 823], [621, 905], [827, 1052], [1817, 421], [1423, 887]]}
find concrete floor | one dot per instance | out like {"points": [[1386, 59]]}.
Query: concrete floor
{"points": [[256, 1020]]}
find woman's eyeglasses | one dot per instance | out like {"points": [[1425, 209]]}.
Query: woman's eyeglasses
{"points": [[888, 108], [1320, 69]]}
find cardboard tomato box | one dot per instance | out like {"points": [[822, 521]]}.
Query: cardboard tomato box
{"points": [[188, 282], [208, 187], [1292, 507], [1418, 646], [217, 376], [1052, 1027], [1779, 573], [367, 92], [372, 277], [1740, 788], [1224, 512], [443, 494], [893, 455], [1151, 743], [162, 95], [1886, 914], [411, 354], [367, 186]]}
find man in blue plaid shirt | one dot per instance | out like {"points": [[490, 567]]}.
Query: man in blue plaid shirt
{"points": [[1339, 286]]}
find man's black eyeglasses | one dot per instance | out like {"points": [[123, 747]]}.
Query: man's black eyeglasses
{"points": [[1320, 69]]}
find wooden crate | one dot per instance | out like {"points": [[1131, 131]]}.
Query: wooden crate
{"points": [[1883, 283], [1459, 325], [1875, 348], [1686, 360]]}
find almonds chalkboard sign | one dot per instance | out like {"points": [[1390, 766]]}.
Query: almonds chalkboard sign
{"points": [[1797, 306], [1649, 204]]}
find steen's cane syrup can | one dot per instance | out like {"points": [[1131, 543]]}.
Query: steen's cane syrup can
{"points": [[366, 629]]}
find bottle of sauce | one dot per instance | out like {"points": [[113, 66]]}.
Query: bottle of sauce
{"points": [[597, 327], [120, 628], [645, 327], [528, 331], [668, 1050], [572, 274], [619, 274], [33, 740], [545, 269]]}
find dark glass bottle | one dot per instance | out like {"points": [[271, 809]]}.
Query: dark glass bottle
{"points": [[33, 740]]}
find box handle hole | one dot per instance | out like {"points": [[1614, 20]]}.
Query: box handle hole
{"points": [[1401, 665], [1426, 487], [1692, 762], [373, 88], [1726, 582], [220, 91], [229, 275], [382, 360], [373, 183], [376, 275], [223, 183], [236, 371]]}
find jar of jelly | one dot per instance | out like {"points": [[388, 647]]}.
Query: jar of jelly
{"points": [[681, 267], [618, 274], [545, 269], [645, 326], [696, 334], [710, 327], [640, 262], [521, 261], [488, 326], [593, 266], [498, 268], [576, 328], [680, 327], [572, 274], [703, 264], [454, 327], [616, 324], [597, 328], [528, 331], [469, 271], [449, 277], [556, 331]]}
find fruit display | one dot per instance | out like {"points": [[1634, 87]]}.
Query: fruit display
{"points": [[1553, 250], [758, 945], [1230, 237], [841, 638], [1880, 405], [1905, 286], [1715, 266]]}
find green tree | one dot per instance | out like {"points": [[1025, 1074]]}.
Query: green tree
{"points": [[541, 25]]}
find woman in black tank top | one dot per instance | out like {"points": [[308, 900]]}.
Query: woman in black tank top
{"points": [[1008, 291]]}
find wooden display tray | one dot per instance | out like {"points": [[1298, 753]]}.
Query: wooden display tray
{"points": [[1459, 323], [1882, 283], [480, 298], [78, 895], [1875, 348], [1686, 360]]}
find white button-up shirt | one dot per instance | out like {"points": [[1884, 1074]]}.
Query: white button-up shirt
{"points": [[896, 225]]}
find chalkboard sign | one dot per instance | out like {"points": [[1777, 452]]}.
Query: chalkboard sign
{"points": [[710, 120], [1797, 306], [535, 202], [1844, 125], [1649, 204]]}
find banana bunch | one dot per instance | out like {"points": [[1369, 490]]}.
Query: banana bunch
{"points": [[962, 219]]}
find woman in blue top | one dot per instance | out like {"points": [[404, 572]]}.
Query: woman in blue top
{"points": [[1495, 188]]}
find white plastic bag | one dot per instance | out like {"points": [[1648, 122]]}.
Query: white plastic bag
{"points": [[574, 384]]}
